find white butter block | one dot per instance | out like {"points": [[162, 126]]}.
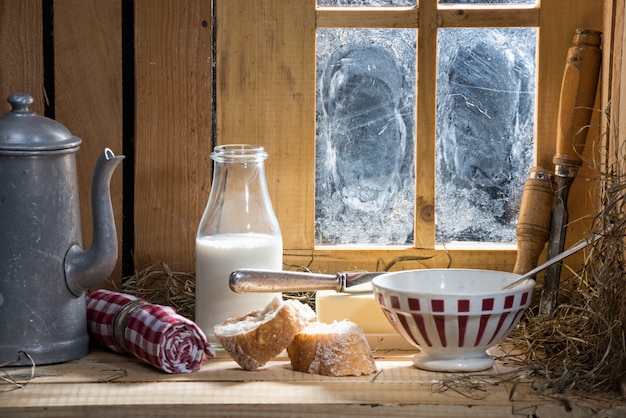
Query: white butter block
{"points": [[360, 308], [363, 310]]}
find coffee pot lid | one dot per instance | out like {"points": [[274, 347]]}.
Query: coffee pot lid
{"points": [[22, 130]]}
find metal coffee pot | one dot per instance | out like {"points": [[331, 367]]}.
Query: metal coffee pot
{"points": [[44, 272]]}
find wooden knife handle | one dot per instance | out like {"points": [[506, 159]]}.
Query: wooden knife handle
{"points": [[578, 92], [533, 222]]}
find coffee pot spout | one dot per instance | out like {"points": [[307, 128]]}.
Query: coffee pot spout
{"points": [[86, 268]]}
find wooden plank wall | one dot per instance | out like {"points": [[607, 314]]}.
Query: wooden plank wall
{"points": [[170, 115], [614, 90], [85, 93], [263, 77], [88, 91], [614, 68], [171, 103], [172, 129], [21, 51]]}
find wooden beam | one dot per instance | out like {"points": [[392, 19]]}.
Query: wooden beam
{"points": [[476, 17], [266, 95], [364, 17], [21, 52], [173, 62], [88, 93]]}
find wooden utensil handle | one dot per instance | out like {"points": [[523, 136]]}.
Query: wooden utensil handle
{"points": [[578, 92], [533, 222]]}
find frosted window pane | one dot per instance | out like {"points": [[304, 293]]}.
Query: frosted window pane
{"points": [[485, 127], [533, 2], [365, 116], [367, 3]]}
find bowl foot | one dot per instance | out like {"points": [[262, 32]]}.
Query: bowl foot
{"points": [[461, 364]]}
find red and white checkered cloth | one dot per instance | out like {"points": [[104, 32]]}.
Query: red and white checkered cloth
{"points": [[153, 333]]}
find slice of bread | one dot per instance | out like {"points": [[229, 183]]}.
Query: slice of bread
{"points": [[337, 349], [257, 337]]}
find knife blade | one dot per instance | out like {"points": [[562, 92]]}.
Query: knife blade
{"points": [[259, 280], [558, 232], [578, 92]]}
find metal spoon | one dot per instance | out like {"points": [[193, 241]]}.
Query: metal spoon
{"points": [[582, 244]]}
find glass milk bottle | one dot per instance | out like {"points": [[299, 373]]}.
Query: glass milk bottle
{"points": [[238, 230]]}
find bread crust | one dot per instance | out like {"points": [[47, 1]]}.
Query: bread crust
{"points": [[269, 331], [337, 349]]}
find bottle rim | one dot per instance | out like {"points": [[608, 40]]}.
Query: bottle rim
{"points": [[238, 152]]}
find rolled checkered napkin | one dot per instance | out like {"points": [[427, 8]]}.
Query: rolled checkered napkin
{"points": [[153, 333]]}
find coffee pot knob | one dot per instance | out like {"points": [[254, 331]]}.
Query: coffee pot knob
{"points": [[20, 101]]}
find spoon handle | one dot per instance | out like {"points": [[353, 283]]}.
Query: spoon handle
{"points": [[577, 247]]}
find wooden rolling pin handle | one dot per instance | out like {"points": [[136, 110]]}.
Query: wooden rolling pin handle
{"points": [[533, 223], [578, 93]]}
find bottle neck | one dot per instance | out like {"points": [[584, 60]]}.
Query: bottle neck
{"points": [[239, 153], [239, 201]]}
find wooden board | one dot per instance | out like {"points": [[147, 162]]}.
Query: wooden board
{"points": [[88, 94], [86, 62], [172, 129], [107, 384], [266, 95], [614, 91], [555, 36], [21, 52]]}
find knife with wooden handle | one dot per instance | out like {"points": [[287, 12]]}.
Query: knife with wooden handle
{"points": [[578, 92], [533, 221]]}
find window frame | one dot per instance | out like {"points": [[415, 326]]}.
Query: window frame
{"points": [[265, 93]]}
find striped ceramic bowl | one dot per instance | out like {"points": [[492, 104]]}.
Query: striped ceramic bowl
{"points": [[452, 315]]}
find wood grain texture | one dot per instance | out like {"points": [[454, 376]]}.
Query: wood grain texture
{"points": [[107, 384], [555, 36], [614, 93], [266, 95], [21, 52], [88, 94], [614, 71], [367, 18], [472, 16], [330, 260], [426, 121], [173, 129]]}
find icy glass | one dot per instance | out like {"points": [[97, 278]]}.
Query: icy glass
{"points": [[528, 2], [366, 3], [485, 125], [365, 117]]}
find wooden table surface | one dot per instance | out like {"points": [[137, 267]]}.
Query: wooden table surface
{"points": [[107, 384]]}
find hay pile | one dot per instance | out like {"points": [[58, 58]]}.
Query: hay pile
{"points": [[160, 285], [583, 348]]}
